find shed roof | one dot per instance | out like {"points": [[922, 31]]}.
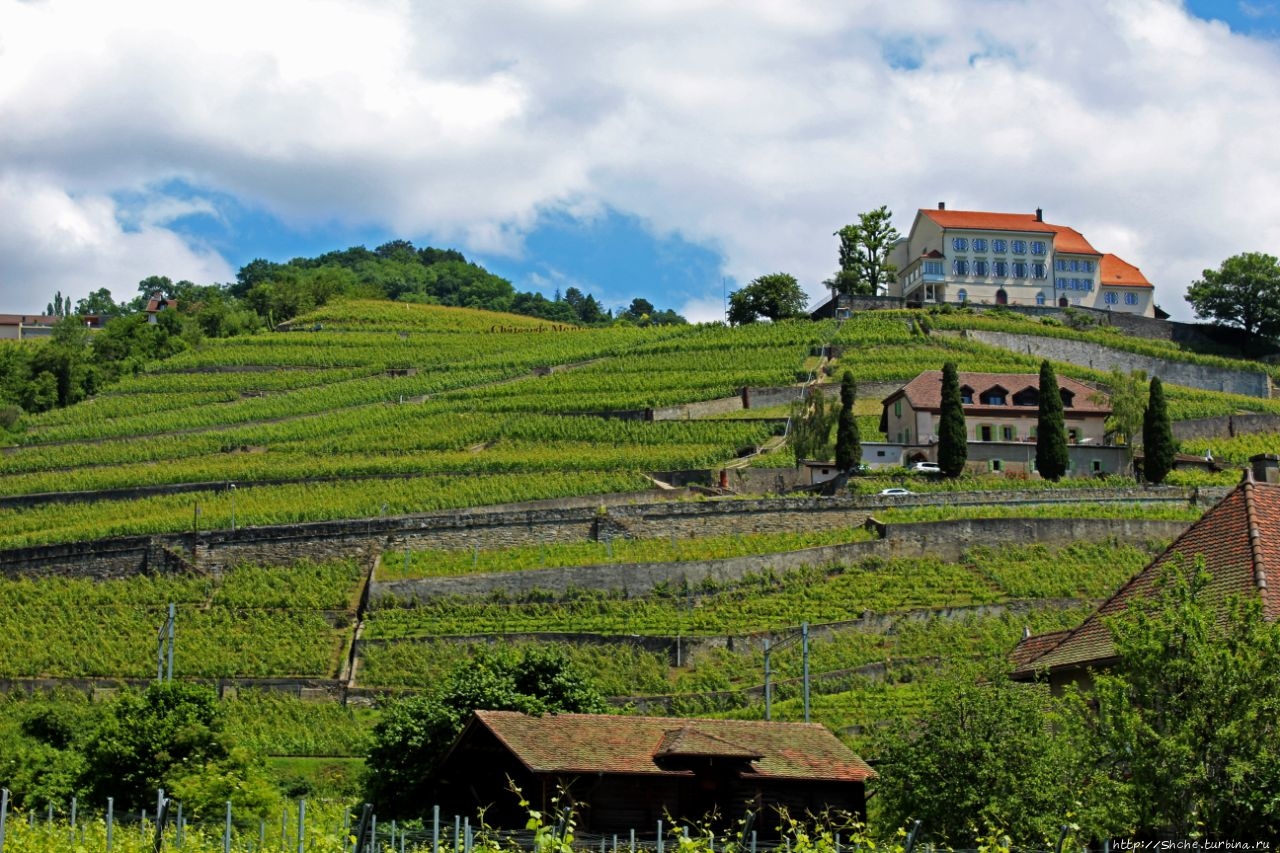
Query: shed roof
{"points": [[606, 743]]}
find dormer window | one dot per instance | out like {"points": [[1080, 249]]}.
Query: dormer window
{"points": [[966, 395], [994, 396], [1068, 398], [1027, 397]]}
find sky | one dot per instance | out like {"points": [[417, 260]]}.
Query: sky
{"points": [[671, 149]]}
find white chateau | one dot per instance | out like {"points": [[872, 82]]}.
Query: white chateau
{"points": [[960, 256]]}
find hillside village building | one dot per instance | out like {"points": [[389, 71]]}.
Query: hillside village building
{"points": [[965, 256], [1239, 540], [1001, 411]]}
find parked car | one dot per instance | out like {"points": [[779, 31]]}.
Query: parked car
{"points": [[895, 492], [926, 468]]}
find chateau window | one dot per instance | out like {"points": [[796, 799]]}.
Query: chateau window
{"points": [[1110, 298], [1019, 269], [933, 267], [1074, 264], [1019, 246], [1131, 299], [1086, 266], [1039, 298], [980, 267], [1037, 247], [1037, 269], [1060, 265], [962, 295], [999, 245], [1001, 268], [960, 266], [960, 244], [979, 244]]}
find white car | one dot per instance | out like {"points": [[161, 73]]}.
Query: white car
{"points": [[926, 468], [894, 493]]}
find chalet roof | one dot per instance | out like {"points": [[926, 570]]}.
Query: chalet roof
{"points": [[1117, 272], [1239, 540], [605, 743], [924, 393], [158, 302], [1066, 238]]}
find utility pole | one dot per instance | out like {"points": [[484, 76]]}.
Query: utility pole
{"points": [[769, 649]]}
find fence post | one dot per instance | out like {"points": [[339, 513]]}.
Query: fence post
{"points": [[373, 833], [911, 837], [226, 831], [4, 814], [111, 819], [181, 829], [659, 836], [457, 834], [284, 826], [302, 825], [435, 829]]}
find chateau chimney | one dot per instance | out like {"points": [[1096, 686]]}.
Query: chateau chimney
{"points": [[1266, 468], [942, 205], [1039, 215]]}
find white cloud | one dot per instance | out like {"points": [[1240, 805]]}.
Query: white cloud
{"points": [[52, 242], [758, 127]]}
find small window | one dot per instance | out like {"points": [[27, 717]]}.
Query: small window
{"points": [[1130, 299], [1037, 247], [1008, 433], [995, 465], [966, 395], [993, 396], [897, 408], [959, 244], [1039, 298], [984, 432], [1110, 298], [1027, 397], [1068, 398], [962, 295], [1073, 436], [1086, 266], [1019, 269], [1088, 283], [979, 244], [960, 266], [1074, 265], [1095, 465], [999, 245], [1038, 269], [1001, 268], [1019, 246], [980, 268], [1060, 265]]}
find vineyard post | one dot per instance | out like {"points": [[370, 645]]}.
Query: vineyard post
{"points": [[171, 640], [226, 831], [302, 826], [659, 836], [181, 826], [4, 814], [111, 819], [804, 640], [768, 688], [435, 829], [233, 507]]}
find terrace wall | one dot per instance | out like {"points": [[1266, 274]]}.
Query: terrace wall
{"points": [[570, 520], [946, 540], [1099, 357]]}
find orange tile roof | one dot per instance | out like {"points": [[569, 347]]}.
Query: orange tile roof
{"points": [[1066, 239], [1239, 540], [924, 393], [606, 743], [1117, 272]]}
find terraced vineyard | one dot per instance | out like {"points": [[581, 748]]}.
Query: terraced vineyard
{"points": [[374, 409]]}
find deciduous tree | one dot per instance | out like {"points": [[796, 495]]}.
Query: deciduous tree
{"points": [[776, 296], [864, 254], [1243, 292]]}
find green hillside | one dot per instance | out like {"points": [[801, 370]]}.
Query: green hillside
{"points": [[367, 408]]}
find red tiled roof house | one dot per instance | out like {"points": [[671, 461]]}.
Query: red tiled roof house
{"points": [[625, 773], [960, 256], [1239, 540]]}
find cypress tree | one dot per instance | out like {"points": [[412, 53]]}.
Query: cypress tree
{"points": [[953, 441], [1051, 429], [1158, 447], [848, 442]]}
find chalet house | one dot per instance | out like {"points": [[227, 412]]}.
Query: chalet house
{"points": [[624, 773], [961, 256], [1000, 410], [157, 303], [1239, 540], [16, 327]]}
